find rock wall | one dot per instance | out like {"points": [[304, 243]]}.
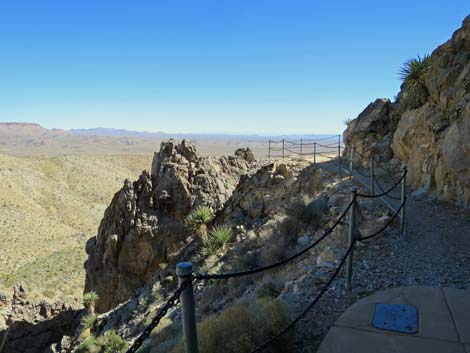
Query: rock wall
{"points": [[143, 231], [432, 139]]}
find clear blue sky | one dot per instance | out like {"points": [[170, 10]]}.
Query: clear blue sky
{"points": [[265, 66]]}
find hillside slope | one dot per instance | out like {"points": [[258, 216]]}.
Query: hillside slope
{"points": [[48, 208]]}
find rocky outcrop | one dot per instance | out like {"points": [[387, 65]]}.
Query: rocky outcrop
{"points": [[246, 154], [32, 327], [372, 132], [143, 230], [431, 139]]}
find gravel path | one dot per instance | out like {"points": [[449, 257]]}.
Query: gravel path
{"points": [[436, 253]]}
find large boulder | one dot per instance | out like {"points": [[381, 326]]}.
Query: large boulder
{"points": [[143, 230]]}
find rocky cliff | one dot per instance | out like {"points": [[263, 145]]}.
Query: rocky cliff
{"points": [[143, 230], [431, 138]]}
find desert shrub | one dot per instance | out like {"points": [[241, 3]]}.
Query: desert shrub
{"points": [[281, 169], [310, 214], [414, 73], [111, 342], [347, 121], [216, 239], [242, 327], [89, 301], [88, 321], [199, 218]]}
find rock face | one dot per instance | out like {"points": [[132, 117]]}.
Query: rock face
{"points": [[34, 326], [432, 139], [372, 131], [143, 228]]}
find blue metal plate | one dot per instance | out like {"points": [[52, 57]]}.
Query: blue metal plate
{"points": [[396, 317]]}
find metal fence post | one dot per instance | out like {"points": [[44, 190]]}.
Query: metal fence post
{"points": [[339, 155], [314, 153], [372, 183], [269, 149], [301, 141], [351, 156], [184, 271], [283, 153], [403, 201], [351, 237]]}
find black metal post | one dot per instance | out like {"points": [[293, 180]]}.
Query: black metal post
{"points": [[351, 237], [184, 271]]}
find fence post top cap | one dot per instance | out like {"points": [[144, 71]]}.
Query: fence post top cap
{"points": [[184, 268], [404, 167]]}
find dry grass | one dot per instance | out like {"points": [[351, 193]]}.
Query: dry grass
{"points": [[49, 207]]}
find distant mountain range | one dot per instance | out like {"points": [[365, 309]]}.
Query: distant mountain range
{"points": [[100, 131]]}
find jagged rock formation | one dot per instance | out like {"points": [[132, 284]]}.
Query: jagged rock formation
{"points": [[31, 326], [432, 139], [372, 131], [143, 228], [246, 154]]}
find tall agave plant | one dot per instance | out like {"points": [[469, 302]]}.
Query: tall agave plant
{"points": [[413, 73], [89, 301], [199, 219]]}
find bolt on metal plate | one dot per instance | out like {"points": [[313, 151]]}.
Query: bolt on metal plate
{"points": [[396, 318]]}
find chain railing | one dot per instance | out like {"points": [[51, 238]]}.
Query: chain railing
{"points": [[187, 276], [330, 148]]}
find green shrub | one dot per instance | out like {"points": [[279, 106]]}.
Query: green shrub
{"points": [[89, 301], [199, 218], [216, 239], [111, 342], [414, 73], [242, 327], [88, 321]]}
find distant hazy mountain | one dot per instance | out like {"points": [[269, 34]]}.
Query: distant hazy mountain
{"points": [[100, 131]]}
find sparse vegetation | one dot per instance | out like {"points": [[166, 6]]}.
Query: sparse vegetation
{"points": [[216, 239], [242, 327], [49, 208], [199, 219], [111, 342], [347, 121], [413, 73]]}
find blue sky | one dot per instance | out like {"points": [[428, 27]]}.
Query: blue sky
{"points": [[265, 66]]}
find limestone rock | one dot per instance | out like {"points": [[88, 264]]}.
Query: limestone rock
{"points": [[143, 227]]}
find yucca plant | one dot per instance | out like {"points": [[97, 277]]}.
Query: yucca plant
{"points": [[216, 239], [88, 321], [89, 301], [198, 220], [413, 73]]}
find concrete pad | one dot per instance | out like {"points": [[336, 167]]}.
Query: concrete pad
{"points": [[443, 327], [459, 306], [434, 318], [345, 340]]}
